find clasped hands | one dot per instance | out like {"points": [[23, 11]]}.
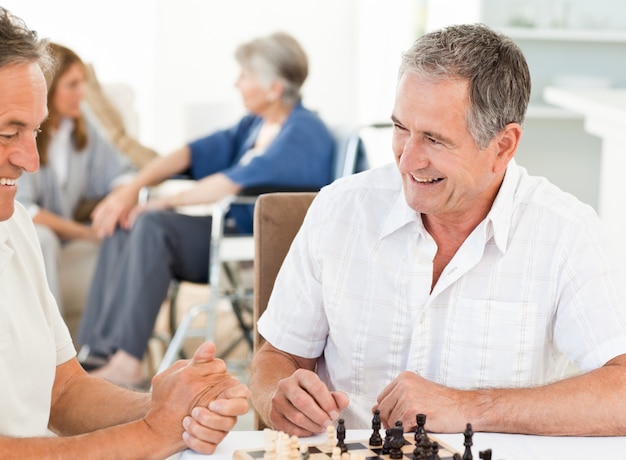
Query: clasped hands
{"points": [[196, 402]]}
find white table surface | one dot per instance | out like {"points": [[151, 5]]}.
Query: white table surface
{"points": [[503, 446]]}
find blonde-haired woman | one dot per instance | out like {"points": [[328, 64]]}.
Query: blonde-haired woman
{"points": [[78, 162]]}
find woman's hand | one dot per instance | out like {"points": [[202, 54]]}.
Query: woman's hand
{"points": [[114, 210]]}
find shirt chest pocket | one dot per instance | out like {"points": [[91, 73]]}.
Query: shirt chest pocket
{"points": [[493, 343]]}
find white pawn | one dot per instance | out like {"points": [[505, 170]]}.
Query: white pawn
{"points": [[336, 455], [293, 448], [331, 432]]}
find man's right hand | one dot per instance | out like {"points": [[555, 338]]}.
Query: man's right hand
{"points": [[302, 405]]}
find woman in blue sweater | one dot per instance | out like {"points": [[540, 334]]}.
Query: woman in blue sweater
{"points": [[280, 143]]}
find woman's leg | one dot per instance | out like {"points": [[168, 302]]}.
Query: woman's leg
{"points": [[161, 246]]}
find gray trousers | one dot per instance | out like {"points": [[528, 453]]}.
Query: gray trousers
{"points": [[133, 275]]}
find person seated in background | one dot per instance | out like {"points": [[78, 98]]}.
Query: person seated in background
{"points": [[51, 407], [279, 143], [78, 162], [453, 283]]}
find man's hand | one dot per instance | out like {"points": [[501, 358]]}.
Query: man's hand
{"points": [[302, 404], [206, 427], [409, 395], [188, 387]]}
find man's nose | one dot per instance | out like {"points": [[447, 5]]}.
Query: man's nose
{"points": [[26, 155], [414, 156]]}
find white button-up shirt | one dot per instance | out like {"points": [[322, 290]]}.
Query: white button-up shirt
{"points": [[531, 290]]}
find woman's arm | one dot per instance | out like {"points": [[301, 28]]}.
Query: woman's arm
{"points": [[114, 209], [65, 228]]}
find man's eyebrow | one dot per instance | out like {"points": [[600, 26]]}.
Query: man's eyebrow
{"points": [[439, 137], [9, 123], [20, 123]]}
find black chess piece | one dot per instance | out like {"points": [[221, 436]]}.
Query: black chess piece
{"points": [[420, 430], [469, 434], [434, 451], [485, 454], [396, 442], [341, 435], [386, 446], [418, 453], [376, 439]]}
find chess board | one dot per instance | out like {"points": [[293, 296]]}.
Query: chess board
{"points": [[361, 447]]}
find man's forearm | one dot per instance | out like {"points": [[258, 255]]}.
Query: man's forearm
{"points": [[75, 413], [129, 441], [591, 404]]}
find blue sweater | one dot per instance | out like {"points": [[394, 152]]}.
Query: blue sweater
{"points": [[300, 155]]}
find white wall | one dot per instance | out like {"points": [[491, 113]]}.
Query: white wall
{"points": [[177, 55]]}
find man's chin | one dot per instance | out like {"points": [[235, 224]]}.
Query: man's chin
{"points": [[6, 210]]}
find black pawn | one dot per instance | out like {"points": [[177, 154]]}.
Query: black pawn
{"points": [[468, 433], [376, 439], [434, 451], [341, 435], [396, 442], [386, 446], [485, 454]]}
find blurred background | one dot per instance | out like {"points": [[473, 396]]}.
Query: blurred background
{"points": [[176, 59]]}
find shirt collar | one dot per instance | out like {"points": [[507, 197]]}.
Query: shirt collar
{"points": [[5, 250], [498, 219], [400, 214], [497, 224]]}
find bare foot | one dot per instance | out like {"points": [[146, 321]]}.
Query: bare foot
{"points": [[123, 369]]}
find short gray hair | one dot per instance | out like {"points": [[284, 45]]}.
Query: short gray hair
{"points": [[277, 56], [498, 75], [20, 45]]}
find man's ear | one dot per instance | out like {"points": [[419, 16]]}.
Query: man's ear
{"points": [[507, 142]]}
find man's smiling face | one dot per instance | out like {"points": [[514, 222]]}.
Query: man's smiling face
{"points": [[444, 172], [22, 109]]}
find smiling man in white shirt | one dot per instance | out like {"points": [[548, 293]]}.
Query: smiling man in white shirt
{"points": [[452, 283], [49, 406]]}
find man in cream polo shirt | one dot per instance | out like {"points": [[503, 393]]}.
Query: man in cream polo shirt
{"points": [[46, 398]]}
